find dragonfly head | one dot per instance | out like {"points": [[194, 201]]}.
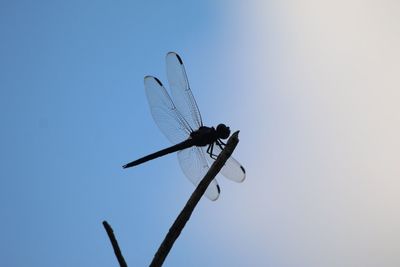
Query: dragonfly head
{"points": [[223, 131]]}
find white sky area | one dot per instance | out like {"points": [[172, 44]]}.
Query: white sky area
{"points": [[317, 90]]}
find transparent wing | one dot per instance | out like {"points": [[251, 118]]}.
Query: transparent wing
{"points": [[165, 114], [180, 91], [194, 165], [232, 169]]}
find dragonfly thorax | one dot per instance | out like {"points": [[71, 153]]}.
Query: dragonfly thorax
{"points": [[207, 135]]}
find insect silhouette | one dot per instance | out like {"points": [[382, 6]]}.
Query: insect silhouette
{"points": [[179, 119]]}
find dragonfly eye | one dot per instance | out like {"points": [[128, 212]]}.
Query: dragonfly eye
{"points": [[223, 131]]}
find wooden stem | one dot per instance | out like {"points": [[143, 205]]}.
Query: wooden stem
{"points": [[114, 244], [185, 214]]}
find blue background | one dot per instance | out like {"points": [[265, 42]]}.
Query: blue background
{"points": [[73, 111]]}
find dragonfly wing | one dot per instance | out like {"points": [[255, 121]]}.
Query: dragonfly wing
{"points": [[195, 166], [165, 114], [180, 91], [232, 169]]}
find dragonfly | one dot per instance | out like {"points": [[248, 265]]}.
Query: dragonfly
{"points": [[178, 117]]}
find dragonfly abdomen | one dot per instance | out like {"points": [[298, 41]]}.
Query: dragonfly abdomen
{"points": [[183, 145]]}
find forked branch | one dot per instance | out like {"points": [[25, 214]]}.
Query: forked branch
{"points": [[187, 211]]}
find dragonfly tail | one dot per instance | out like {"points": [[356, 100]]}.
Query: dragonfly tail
{"points": [[185, 144]]}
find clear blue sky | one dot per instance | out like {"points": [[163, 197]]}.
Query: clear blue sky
{"points": [[313, 88], [73, 111]]}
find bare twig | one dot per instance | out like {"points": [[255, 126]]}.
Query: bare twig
{"points": [[185, 214], [114, 244]]}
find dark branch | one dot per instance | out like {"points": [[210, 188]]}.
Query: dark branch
{"points": [[185, 214], [114, 244]]}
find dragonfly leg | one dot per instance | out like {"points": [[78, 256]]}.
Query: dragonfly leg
{"points": [[212, 155], [210, 151], [220, 144]]}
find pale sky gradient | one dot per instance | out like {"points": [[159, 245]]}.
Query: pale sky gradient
{"points": [[321, 90]]}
